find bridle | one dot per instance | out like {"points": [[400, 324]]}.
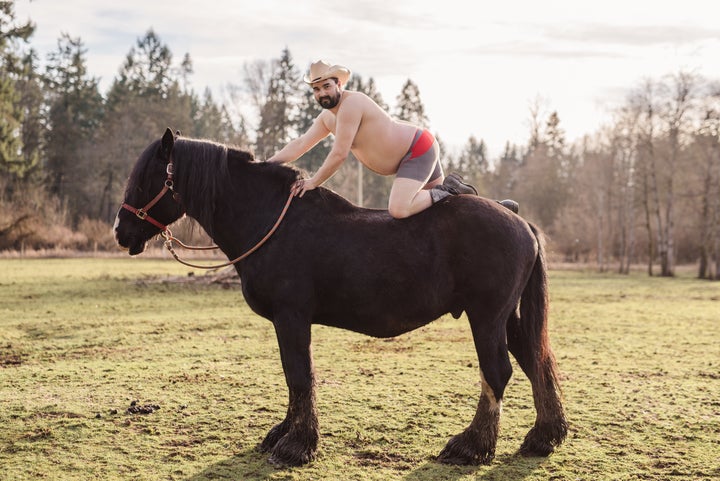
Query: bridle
{"points": [[142, 213], [166, 234]]}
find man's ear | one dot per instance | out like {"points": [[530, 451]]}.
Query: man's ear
{"points": [[168, 141]]}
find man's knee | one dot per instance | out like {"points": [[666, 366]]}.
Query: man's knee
{"points": [[399, 211]]}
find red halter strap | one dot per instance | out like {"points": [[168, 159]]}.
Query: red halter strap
{"points": [[142, 213]]}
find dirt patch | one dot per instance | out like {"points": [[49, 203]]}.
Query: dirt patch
{"points": [[226, 278], [374, 458], [10, 357], [393, 344], [57, 415]]}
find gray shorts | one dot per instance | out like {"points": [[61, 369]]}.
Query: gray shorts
{"points": [[422, 162]]}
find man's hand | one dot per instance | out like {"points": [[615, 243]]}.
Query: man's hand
{"points": [[301, 186]]}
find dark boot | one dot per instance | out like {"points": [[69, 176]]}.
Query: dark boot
{"points": [[509, 204], [452, 185], [455, 185]]}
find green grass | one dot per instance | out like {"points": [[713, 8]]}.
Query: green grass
{"points": [[81, 339]]}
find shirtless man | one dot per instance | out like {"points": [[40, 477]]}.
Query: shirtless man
{"points": [[383, 144]]}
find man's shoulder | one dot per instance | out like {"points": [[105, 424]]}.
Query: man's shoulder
{"points": [[356, 96], [357, 101]]}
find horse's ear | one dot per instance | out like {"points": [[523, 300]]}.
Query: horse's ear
{"points": [[168, 141]]}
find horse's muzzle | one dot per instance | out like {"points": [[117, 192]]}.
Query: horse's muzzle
{"points": [[132, 244], [126, 240]]}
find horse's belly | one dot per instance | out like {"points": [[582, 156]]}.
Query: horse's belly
{"points": [[382, 317], [377, 327]]}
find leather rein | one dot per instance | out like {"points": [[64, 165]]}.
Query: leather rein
{"points": [[166, 234]]}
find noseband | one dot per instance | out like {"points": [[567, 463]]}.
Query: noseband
{"points": [[142, 213]]}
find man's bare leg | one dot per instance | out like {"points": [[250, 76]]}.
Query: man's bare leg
{"points": [[408, 197]]}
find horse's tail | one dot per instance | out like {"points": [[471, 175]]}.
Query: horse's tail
{"points": [[534, 317], [530, 344]]}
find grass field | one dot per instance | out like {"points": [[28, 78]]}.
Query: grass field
{"points": [[107, 373]]}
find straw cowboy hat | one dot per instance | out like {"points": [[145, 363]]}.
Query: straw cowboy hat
{"points": [[322, 70]]}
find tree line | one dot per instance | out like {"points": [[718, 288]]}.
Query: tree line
{"points": [[644, 189]]}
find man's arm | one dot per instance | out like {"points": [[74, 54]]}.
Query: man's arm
{"points": [[295, 148], [346, 126]]}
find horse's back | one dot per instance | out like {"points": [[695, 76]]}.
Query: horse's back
{"points": [[371, 273], [463, 235]]}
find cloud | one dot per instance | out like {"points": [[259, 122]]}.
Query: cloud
{"points": [[632, 35], [402, 15], [561, 51]]}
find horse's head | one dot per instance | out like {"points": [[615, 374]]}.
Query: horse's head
{"points": [[150, 202]]}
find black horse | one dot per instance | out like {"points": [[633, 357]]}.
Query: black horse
{"points": [[332, 263]]}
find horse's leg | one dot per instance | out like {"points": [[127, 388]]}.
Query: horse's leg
{"points": [[550, 426], [476, 445], [293, 442]]}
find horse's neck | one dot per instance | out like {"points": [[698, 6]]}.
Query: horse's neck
{"points": [[247, 210]]}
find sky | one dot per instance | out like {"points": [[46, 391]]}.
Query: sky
{"points": [[479, 65]]}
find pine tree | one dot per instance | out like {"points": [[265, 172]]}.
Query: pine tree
{"points": [[505, 174], [212, 121], [75, 108], [409, 106], [12, 160], [146, 71], [544, 174], [278, 114], [472, 163], [29, 88]]}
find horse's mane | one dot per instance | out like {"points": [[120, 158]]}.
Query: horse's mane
{"points": [[203, 175], [206, 172], [138, 176]]}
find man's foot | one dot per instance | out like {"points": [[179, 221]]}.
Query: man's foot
{"points": [[509, 204], [455, 184], [452, 185]]}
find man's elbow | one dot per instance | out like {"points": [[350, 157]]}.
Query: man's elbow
{"points": [[336, 158]]}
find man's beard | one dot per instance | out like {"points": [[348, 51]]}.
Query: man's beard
{"points": [[328, 102]]}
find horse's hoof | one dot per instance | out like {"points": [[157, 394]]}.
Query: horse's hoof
{"points": [[532, 449], [290, 452], [280, 462], [459, 451], [273, 436], [541, 440]]}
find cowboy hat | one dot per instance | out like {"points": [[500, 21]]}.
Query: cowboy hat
{"points": [[322, 70]]}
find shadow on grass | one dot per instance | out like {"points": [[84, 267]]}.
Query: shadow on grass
{"points": [[502, 468], [252, 465], [247, 465]]}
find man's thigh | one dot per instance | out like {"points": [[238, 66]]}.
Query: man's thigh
{"points": [[404, 190]]}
